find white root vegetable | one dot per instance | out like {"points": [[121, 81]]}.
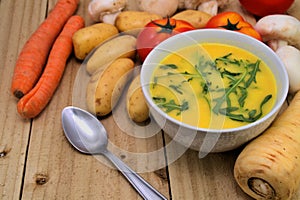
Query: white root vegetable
{"points": [[159, 7], [282, 27], [99, 8], [268, 168], [290, 56]]}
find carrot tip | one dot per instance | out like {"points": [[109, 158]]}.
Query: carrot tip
{"points": [[18, 94]]}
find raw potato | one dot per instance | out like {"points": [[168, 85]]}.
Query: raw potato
{"points": [[106, 86], [136, 104], [196, 18], [134, 20], [86, 39], [123, 46]]}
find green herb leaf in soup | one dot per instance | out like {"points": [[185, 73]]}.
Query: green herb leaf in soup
{"points": [[214, 86]]}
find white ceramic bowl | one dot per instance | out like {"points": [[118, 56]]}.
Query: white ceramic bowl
{"points": [[212, 140]]}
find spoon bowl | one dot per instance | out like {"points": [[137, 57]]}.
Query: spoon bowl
{"points": [[85, 132]]}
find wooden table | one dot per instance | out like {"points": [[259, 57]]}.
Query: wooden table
{"points": [[37, 162]]}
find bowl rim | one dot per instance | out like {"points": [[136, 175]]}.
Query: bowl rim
{"points": [[275, 109]]}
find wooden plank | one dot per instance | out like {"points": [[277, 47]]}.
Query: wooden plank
{"points": [[55, 170], [208, 178], [18, 19]]}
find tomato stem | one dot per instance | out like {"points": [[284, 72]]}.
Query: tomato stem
{"points": [[231, 26], [166, 28]]}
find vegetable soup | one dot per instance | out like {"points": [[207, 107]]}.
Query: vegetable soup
{"points": [[213, 85]]}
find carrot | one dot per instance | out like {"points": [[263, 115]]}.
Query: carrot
{"points": [[33, 56], [31, 104], [269, 166]]}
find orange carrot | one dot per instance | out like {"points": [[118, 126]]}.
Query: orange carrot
{"points": [[33, 56], [31, 104]]}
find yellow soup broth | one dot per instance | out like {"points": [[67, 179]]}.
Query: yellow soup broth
{"points": [[213, 86]]}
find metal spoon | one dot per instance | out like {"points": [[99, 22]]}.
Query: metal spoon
{"points": [[85, 132]]}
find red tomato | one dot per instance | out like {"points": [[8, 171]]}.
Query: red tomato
{"points": [[232, 21], [157, 31], [266, 7]]}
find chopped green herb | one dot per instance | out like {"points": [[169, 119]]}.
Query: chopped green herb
{"points": [[243, 96], [168, 66], [171, 105], [159, 100], [252, 73], [176, 88], [219, 98], [226, 60], [252, 116]]}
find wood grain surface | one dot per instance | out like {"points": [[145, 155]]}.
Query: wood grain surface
{"points": [[37, 162]]}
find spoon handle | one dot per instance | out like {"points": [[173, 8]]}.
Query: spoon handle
{"points": [[143, 187]]}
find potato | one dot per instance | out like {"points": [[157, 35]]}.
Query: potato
{"points": [[136, 104], [134, 21], [86, 39], [106, 86], [122, 46], [196, 18]]}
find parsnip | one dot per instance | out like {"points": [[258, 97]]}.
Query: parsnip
{"points": [[280, 27], [269, 166]]}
